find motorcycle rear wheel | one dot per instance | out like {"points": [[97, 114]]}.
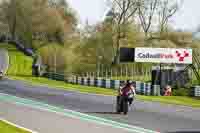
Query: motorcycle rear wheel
{"points": [[125, 107]]}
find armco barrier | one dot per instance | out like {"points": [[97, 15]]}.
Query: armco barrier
{"points": [[141, 88], [99, 82], [54, 76], [197, 91], [92, 81], [116, 84], [103, 84], [138, 87], [148, 89], [156, 90], [79, 80], [85, 81], [112, 84], [108, 83]]}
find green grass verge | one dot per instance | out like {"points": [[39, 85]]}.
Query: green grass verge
{"points": [[6, 128], [20, 65], [63, 85], [20, 69], [177, 100]]}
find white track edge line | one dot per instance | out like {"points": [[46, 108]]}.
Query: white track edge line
{"points": [[17, 126]]}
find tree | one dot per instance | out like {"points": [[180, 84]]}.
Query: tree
{"points": [[146, 13], [68, 15], [154, 16], [16, 15], [96, 47], [166, 10], [105, 47], [9, 15], [52, 21], [46, 21], [123, 12]]}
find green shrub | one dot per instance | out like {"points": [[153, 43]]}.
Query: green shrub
{"points": [[181, 92]]}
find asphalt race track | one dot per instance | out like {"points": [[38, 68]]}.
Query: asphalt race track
{"points": [[148, 115], [41, 121]]}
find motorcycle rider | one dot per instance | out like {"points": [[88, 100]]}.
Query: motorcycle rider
{"points": [[127, 89]]}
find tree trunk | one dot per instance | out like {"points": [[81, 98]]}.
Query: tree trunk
{"points": [[118, 48]]}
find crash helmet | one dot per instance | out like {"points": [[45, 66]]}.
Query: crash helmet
{"points": [[129, 82]]}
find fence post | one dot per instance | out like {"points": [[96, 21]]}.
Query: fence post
{"points": [[156, 90], [148, 89], [197, 91], [99, 82], [116, 84], [138, 87]]}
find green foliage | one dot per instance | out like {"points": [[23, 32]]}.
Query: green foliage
{"points": [[55, 19], [181, 92], [54, 57], [96, 47], [84, 50], [177, 100], [16, 16]]}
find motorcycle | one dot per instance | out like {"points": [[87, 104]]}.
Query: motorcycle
{"points": [[123, 103]]}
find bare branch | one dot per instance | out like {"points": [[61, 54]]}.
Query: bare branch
{"points": [[118, 4], [166, 11], [142, 19], [153, 7], [123, 10], [146, 12]]}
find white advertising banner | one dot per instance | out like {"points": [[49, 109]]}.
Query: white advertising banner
{"points": [[163, 55]]}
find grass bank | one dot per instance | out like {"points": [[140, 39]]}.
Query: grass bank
{"points": [[20, 65], [6, 128]]}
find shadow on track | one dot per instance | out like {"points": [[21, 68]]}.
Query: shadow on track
{"points": [[103, 113]]}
